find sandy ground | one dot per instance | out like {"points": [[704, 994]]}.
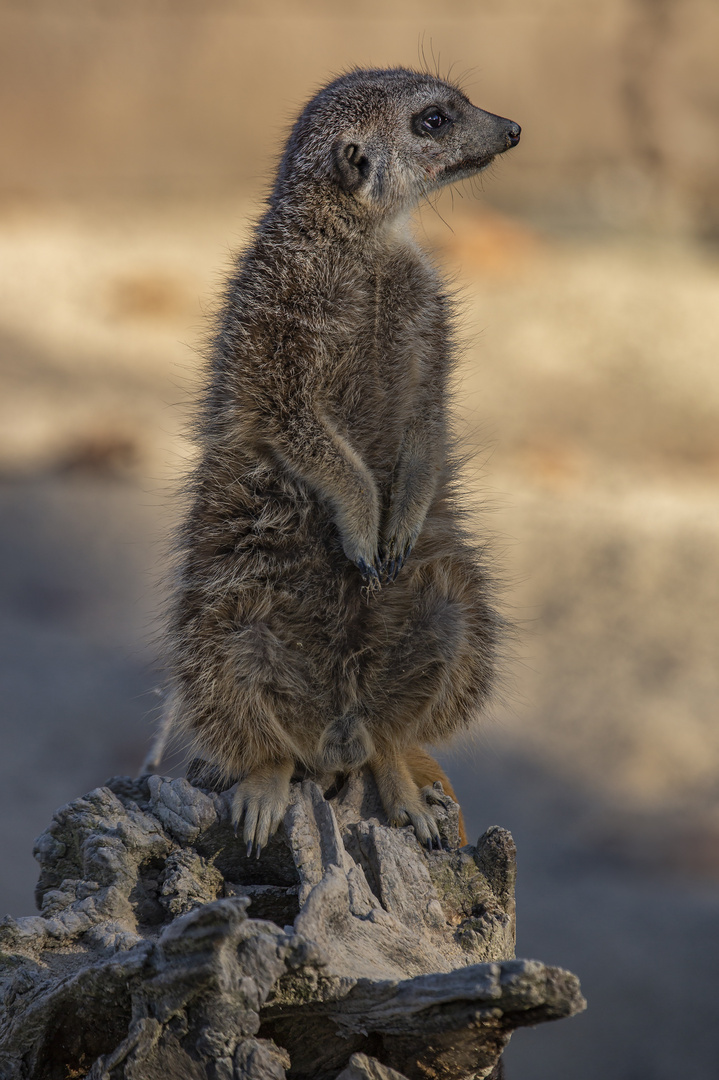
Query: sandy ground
{"points": [[589, 395]]}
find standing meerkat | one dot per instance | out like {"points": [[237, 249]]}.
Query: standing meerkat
{"points": [[329, 611]]}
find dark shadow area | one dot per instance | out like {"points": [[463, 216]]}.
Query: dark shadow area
{"points": [[76, 654]]}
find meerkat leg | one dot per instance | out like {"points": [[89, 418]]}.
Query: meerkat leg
{"points": [[430, 683], [401, 798], [261, 799]]}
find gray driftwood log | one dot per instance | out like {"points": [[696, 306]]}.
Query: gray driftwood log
{"points": [[346, 952]]}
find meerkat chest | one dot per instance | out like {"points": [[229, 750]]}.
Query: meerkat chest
{"points": [[396, 336]]}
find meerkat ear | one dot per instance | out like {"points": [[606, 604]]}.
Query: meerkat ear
{"points": [[351, 162]]}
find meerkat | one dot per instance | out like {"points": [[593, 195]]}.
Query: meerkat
{"points": [[329, 611]]}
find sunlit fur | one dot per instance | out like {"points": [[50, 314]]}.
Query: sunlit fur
{"points": [[326, 445]]}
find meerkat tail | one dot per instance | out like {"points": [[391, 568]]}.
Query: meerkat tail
{"points": [[153, 759]]}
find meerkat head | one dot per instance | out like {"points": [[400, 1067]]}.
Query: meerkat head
{"points": [[378, 141]]}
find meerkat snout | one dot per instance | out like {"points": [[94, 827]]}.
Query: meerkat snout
{"points": [[513, 135]]}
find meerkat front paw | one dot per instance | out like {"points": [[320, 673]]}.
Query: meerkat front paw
{"points": [[261, 799], [393, 557], [397, 548], [360, 540], [371, 572]]}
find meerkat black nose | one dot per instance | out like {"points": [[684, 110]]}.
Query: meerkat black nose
{"points": [[513, 133]]}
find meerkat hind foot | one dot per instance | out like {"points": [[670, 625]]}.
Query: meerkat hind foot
{"points": [[261, 799], [417, 813], [434, 795], [404, 804]]}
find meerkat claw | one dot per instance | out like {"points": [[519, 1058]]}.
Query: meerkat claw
{"points": [[369, 572], [261, 801], [402, 558], [389, 562], [394, 560], [423, 823], [435, 796], [426, 831]]}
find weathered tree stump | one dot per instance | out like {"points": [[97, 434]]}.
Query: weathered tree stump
{"points": [[346, 951]]}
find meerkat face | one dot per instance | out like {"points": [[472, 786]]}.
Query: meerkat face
{"points": [[454, 139], [427, 140], [387, 138], [425, 133]]}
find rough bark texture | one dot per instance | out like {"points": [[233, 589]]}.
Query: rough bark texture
{"points": [[346, 952]]}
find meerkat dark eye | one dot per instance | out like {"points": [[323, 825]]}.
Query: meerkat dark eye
{"points": [[433, 121]]}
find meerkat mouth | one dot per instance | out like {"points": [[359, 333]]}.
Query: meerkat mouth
{"points": [[470, 166]]}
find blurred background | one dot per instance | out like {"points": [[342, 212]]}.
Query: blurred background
{"points": [[138, 139]]}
